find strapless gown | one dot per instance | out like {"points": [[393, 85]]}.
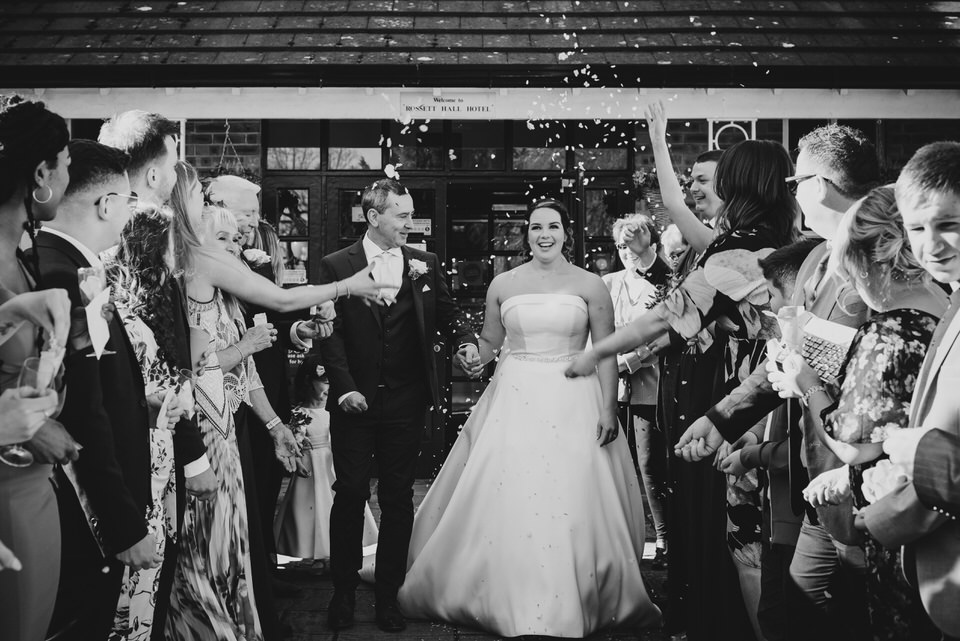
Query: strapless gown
{"points": [[531, 527]]}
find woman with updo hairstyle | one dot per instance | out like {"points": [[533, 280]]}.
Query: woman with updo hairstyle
{"points": [[568, 238], [873, 394], [33, 178]]}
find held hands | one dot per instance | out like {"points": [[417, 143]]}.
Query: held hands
{"points": [[48, 309], [607, 428], [699, 441], [354, 403], [468, 357], [314, 329], [257, 338], [141, 555], [829, 488], [21, 415], [656, 116], [584, 365]]}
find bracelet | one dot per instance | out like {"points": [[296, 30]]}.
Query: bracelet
{"points": [[239, 351], [273, 422], [336, 286], [805, 399]]}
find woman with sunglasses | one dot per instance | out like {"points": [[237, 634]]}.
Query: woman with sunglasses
{"points": [[758, 215]]}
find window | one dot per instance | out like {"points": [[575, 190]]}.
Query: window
{"points": [[293, 145], [539, 144], [418, 145], [477, 144], [355, 144]]}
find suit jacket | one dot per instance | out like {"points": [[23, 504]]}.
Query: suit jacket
{"points": [[105, 410], [936, 472], [754, 398], [351, 354], [931, 538]]}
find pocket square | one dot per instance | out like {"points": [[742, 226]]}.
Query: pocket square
{"points": [[426, 288]]}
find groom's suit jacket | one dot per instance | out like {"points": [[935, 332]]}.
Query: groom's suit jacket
{"points": [[936, 471], [931, 538], [352, 354], [105, 410]]}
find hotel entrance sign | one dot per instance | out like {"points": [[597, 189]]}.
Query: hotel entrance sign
{"points": [[462, 106]]}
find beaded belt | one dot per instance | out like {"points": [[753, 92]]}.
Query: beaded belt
{"points": [[544, 359]]}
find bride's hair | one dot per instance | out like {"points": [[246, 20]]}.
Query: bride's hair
{"points": [[560, 208]]}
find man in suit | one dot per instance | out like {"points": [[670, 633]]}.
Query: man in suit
{"points": [[105, 409], [928, 195], [151, 142], [835, 167], [380, 360]]}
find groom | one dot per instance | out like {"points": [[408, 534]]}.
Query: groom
{"points": [[380, 360]]}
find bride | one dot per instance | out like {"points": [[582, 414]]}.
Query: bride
{"points": [[534, 525]]}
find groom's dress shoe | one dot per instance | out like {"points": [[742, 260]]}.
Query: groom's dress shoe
{"points": [[389, 618], [342, 605]]}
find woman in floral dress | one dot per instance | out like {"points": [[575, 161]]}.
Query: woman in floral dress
{"points": [[873, 396], [138, 278], [758, 215]]}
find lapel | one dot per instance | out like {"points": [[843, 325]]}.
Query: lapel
{"points": [[358, 261], [943, 339], [416, 288]]}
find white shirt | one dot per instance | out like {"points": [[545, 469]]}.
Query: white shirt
{"points": [[387, 267]]}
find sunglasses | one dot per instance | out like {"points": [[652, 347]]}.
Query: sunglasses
{"points": [[133, 200]]}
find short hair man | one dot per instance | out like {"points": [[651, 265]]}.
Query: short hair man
{"points": [[105, 411], [913, 514], [151, 141]]}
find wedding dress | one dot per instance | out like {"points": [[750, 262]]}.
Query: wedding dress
{"points": [[532, 527]]}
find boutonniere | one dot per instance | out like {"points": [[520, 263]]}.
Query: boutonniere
{"points": [[256, 257], [417, 268]]}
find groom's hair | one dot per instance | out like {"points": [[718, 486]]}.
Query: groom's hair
{"points": [[376, 195]]}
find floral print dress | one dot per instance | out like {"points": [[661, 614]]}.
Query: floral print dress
{"points": [[880, 373], [134, 617]]}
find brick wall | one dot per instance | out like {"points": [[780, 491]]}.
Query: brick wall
{"points": [[205, 146]]}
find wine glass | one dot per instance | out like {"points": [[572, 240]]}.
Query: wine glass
{"points": [[36, 375], [92, 281]]}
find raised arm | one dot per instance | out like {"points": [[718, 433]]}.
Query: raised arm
{"points": [[229, 274], [646, 329], [692, 229]]}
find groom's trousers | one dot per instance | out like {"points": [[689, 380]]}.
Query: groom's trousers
{"points": [[389, 434]]}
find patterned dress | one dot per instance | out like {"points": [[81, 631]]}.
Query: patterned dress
{"points": [[134, 618], [880, 373], [702, 365], [213, 598]]}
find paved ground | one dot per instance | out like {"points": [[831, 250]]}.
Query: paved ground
{"points": [[306, 614]]}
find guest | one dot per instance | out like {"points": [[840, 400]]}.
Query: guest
{"points": [[383, 377], [768, 448], [151, 141], [876, 386], [836, 166], [632, 290], [33, 176], [929, 201], [143, 294], [758, 215], [302, 526], [105, 496]]}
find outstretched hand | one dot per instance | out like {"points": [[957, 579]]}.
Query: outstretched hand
{"points": [[699, 441], [362, 284], [584, 365]]}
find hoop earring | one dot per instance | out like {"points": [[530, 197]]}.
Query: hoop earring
{"points": [[43, 202]]}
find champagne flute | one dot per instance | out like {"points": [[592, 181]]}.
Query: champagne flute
{"points": [[92, 281], [36, 375]]}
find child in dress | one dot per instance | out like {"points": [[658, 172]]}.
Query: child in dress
{"points": [[302, 525]]}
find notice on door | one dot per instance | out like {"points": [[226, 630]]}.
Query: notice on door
{"points": [[422, 226]]}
